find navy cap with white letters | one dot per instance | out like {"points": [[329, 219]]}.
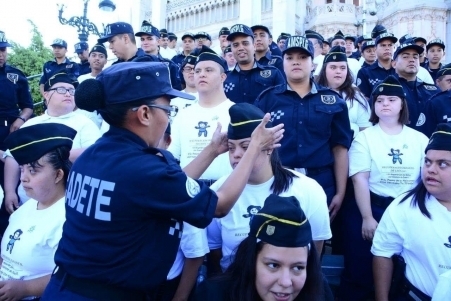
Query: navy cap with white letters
{"points": [[239, 30], [299, 42], [114, 29], [60, 43], [148, 29], [3, 40]]}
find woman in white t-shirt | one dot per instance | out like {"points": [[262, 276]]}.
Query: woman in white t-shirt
{"points": [[335, 74], [267, 177], [384, 162], [35, 228]]}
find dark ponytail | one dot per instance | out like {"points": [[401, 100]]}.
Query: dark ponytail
{"points": [[419, 195]]}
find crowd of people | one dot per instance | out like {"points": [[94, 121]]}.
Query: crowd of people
{"points": [[234, 163]]}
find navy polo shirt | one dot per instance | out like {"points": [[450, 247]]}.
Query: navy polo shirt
{"points": [[139, 53], [173, 72], [433, 72], [85, 68], [246, 85], [14, 92], [368, 77], [437, 110], [52, 67], [125, 204], [365, 64], [417, 93], [272, 60], [313, 124]]}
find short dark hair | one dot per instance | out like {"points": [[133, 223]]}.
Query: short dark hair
{"points": [[403, 115], [130, 36], [116, 114]]}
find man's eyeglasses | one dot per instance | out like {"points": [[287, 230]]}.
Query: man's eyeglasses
{"points": [[62, 90], [170, 110], [188, 69]]}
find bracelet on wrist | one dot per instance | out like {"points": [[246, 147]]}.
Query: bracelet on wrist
{"points": [[21, 118]]}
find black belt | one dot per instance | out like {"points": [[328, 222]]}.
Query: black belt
{"points": [[208, 182], [96, 290], [412, 293], [312, 171], [380, 201]]}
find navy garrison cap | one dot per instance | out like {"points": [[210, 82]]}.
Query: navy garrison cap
{"points": [[29, 144], [163, 33], [445, 70], [3, 40], [281, 223], [224, 31], [336, 54], [338, 36], [114, 29], [310, 34], [390, 87], [283, 36], [99, 48], [148, 29], [300, 43], [131, 81], [244, 118], [207, 54], [61, 77], [440, 138], [60, 43], [435, 42], [227, 49], [81, 46], [239, 30], [377, 30]]}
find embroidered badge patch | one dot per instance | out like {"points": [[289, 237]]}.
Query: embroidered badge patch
{"points": [[421, 120], [265, 73], [270, 230], [328, 99], [13, 77]]}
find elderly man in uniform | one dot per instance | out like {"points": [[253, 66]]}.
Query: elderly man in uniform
{"points": [[60, 64], [248, 79], [188, 47], [202, 39], [263, 54], [82, 50]]}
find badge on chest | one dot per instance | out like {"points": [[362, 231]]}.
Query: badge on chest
{"points": [[328, 99]]}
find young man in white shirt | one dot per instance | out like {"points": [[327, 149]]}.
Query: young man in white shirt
{"points": [[97, 59]]}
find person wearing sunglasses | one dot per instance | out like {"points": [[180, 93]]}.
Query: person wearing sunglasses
{"points": [[59, 99]]}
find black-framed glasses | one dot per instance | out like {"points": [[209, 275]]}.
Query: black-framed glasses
{"points": [[188, 69], [62, 90], [170, 110]]}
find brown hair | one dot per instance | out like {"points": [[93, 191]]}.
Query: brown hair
{"points": [[403, 114]]}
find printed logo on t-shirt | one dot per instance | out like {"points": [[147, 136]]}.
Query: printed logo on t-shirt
{"points": [[251, 211], [12, 240], [448, 244], [202, 127], [396, 155]]}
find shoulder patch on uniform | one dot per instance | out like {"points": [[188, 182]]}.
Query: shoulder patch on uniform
{"points": [[328, 99], [13, 77], [192, 187], [265, 73], [272, 62], [421, 120], [430, 87], [69, 66]]}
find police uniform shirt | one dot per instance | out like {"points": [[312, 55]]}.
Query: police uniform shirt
{"points": [[85, 68], [139, 53], [368, 77], [436, 110], [178, 59], [365, 64], [246, 85], [52, 67], [275, 50], [14, 93], [417, 93], [173, 72], [124, 212], [433, 72], [272, 60], [313, 124], [356, 55]]}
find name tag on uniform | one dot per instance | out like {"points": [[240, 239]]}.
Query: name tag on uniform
{"points": [[265, 73], [69, 66], [430, 88]]}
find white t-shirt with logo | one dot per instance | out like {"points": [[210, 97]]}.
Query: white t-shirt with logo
{"points": [[394, 161], [228, 232], [192, 131], [423, 243], [182, 103], [443, 289]]}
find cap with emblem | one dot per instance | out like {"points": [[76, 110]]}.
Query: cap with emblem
{"points": [[445, 70], [59, 43], [239, 30], [148, 29], [336, 54], [408, 45], [224, 31], [440, 138], [172, 36], [163, 33], [405, 37], [114, 29], [3, 40], [189, 59], [207, 54], [261, 27], [338, 36], [435, 42], [390, 86], [62, 77], [299, 43], [281, 223], [29, 144], [227, 49], [283, 36], [244, 118], [99, 48], [368, 44], [202, 34], [188, 35], [310, 34], [377, 30], [386, 36], [81, 46]]}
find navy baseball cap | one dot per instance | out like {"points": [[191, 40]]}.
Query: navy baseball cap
{"points": [[419, 39], [60, 43], [239, 30], [386, 36], [262, 27], [224, 31], [435, 42], [409, 44], [3, 40], [148, 29], [131, 81], [81, 46], [377, 30], [299, 43], [405, 37], [114, 29], [202, 34], [188, 35], [368, 44], [363, 38]]}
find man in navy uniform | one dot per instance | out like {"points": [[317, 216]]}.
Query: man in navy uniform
{"points": [[317, 130], [262, 53], [188, 47], [122, 42], [202, 38], [443, 80], [82, 50], [248, 79], [60, 64], [435, 50], [281, 40], [150, 36], [367, 78], [406, 63], [378, 30]]}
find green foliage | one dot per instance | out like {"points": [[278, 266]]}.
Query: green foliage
{"points": [[30, 60]]}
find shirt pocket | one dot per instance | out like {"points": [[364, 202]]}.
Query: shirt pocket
{"points": [[321, 119]]}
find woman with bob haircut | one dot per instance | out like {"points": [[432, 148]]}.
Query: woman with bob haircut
{"points": [[35, 228], [385, 162], [277, 261]]}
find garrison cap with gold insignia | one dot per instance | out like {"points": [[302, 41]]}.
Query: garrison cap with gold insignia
{"points": [[207, 54], [281, 223], [311, 34], [29, 144], [3, 40], [148, 29], [283, 36], [62, 77], [163, 33], [300, 43], [99, 48], [336, 54], [435, 42], [390, 87], [445, 70], [440, 138], [244, 118], [227, 49], [338, 36]]}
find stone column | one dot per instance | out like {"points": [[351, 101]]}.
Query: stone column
{"points": [[284, 17], [250, 12], [159, 13]]}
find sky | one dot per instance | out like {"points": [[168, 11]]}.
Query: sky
{"points": [[44, 13]]}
